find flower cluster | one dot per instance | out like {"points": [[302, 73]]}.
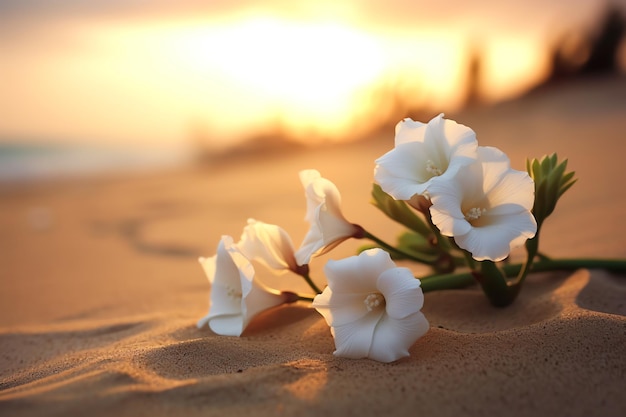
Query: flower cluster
{"points": [[463, 207], [235, 295], [472, 192], [372, 306]]}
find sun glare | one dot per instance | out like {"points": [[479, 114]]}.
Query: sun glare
{"points": [[513, 65], [240, 76], [311, 72]]}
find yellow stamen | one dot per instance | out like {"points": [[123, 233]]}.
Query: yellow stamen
{"points": [[374, 300], [475, 213], [432, 168]]}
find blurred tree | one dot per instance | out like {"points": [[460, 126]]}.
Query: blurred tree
{"points": [[474, 76], [604, 50], [585, 54]]}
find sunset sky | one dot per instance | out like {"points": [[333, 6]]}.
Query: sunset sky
{"points": [[160, 73]]}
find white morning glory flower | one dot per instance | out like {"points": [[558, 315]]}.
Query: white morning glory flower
{"points": [[424, 153], [486, 207], [235, 296], [269, 244], [372, 307], [328, 225]]}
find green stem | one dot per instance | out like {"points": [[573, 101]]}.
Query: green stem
{"points": [[498, 290], [292, 297], [388, 247], [303, 271], [447, 281], [309, 281], [532, 248], [543, 256], [463, 279], [471, 263], [443, 244], [305, 298]]}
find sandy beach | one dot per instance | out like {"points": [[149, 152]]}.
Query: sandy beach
{"points": [[100, 288]]}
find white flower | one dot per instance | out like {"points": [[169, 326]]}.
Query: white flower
{"points": [[328, 225], [268, 244], [423, 154], [372, 306], [486, 207], [235, 297]]}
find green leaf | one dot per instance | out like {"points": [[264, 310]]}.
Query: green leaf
{"points": [[398, 211], [414, 242]]}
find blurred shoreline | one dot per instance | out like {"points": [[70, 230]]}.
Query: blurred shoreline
{"points": [[31, 163]]}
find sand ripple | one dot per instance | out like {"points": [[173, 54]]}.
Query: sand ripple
{"points": [[557, 332]]}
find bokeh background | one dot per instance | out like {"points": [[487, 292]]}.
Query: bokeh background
{"points": [[104, 84]]}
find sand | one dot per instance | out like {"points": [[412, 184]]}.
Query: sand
{"points": [[101, 289]]}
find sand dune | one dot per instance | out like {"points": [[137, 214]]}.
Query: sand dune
{"points": [[101, 291]]}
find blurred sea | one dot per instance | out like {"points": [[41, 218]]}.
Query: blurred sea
{"points": [[35, 162]]}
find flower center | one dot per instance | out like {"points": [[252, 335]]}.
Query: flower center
{"points": [[374, 300], [475, 213], [433, 169], [233, 293]]}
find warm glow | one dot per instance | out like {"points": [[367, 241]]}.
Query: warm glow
{"points": [[225, 78], [512, 65], [307, 73], [429, 67], [229, 79]]}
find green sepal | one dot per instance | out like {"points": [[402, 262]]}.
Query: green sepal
{"points": [[551, 182]]}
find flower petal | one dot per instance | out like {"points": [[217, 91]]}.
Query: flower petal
{"points": [[393, 338], [235, 297], [436, 144], [358, 274], [424, 154], [449, 225], [334, 228], [459, 134], [320, 191], [226, 325], [408, 130], [355, 339], [326, 232], [449, 145], [309, 247], [516, 188], [340, 309], [208, 265], [494, 165], [447, 200], [226, 281], [503, 233], [402, 292], [360, 324], [402, 171], [260, 299], [499, 199], [268, 244], [328, 226]]}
